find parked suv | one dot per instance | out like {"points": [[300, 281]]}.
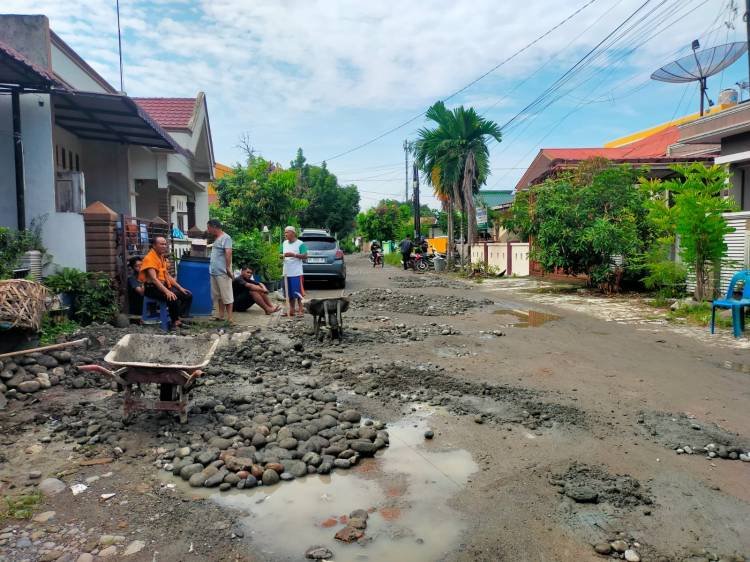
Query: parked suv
{"points": [[325, 260]]}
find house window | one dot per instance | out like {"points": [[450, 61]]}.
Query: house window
{"points": [[70, 159], [57, 156], [78, 163], [62, 153], [70, 192]]}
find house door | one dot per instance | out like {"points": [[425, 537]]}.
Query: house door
{"points": [[190, 214]]}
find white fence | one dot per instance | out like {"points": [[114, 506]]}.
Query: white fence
{"points": [[513, 257]]}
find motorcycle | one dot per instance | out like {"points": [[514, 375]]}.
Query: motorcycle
{"points": [[376, 259], [421, 262]]}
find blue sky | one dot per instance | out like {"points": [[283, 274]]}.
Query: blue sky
{"points": [[328, 75]]}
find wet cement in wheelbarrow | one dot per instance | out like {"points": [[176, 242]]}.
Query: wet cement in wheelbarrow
{"points": [[162, 350], [406, 489]]}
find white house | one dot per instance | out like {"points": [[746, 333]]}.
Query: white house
{"points": [[68, 139]]}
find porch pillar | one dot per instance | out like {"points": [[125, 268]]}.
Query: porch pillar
{"points": [[100, 228], [18, 160]]}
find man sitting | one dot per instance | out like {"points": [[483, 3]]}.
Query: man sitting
{"points": [[160, 285], [247, 291]]}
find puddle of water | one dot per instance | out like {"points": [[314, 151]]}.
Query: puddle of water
{"points": [[527, 318], [406, 488], [735, 366]]}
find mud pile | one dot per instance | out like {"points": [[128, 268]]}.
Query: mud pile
{"points": [[593, 484], [432, 384]]}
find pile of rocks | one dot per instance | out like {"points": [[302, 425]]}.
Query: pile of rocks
{"points": [[592, 484], [291, 443], [397, 301], [620, 549], [26, 374], [355, 527]]}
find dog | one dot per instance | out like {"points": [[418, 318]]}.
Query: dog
{"points": [[328, 312]]}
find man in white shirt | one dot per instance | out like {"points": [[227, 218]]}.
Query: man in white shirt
{"points": [[220, 269], [294, 253]]}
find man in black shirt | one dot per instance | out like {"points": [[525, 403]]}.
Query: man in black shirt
{"points": [[135, 287], [406, 246], [247, 291]]}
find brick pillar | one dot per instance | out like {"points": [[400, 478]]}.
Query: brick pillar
{"points": [[100, 226]]}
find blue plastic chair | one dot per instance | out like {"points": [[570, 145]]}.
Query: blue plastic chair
{"points": [[150, 317], [736, 305]]}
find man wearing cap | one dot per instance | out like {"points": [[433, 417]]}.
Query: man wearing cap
{"points": [[294, 253]]}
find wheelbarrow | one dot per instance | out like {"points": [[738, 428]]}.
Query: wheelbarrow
{"points": [[328, 312], [172, 362]]}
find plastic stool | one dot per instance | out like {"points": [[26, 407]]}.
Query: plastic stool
{"points": [[162, 317]]}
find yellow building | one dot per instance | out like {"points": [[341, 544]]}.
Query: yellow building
{"points": [[220, 170]]}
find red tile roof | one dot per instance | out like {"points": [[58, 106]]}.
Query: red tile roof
{"points": [[651, 147], [170, 113]]}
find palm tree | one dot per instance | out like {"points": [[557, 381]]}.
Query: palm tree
{"points": [[456, 160]]}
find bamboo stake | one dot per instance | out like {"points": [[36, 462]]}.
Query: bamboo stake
{"points": [[44, 348]]}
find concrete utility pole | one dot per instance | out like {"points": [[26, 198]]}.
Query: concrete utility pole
{"points": [[406, 168], [417, 223]]}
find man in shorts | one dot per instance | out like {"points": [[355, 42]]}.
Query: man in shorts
{"points": [[294, 252], [220, 269]]}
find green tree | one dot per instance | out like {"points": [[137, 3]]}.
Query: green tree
{"points": [[258, 194], [331, 205], [691, 206], [585, 223], [383, 222], [455, 159]]}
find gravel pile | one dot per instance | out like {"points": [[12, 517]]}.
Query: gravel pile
{"points": [[686, 435], [396, 301], [24, 375]]}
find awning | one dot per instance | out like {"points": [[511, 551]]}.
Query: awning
{"points": [[16, 71], [109, 118]]}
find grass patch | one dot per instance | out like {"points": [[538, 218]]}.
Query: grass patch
{"points": [[660, 302], [53, 328], [21, 507], [698, 314], [394, 258]]}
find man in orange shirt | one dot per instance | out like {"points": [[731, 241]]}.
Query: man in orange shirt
{"points": [[158, 284]]}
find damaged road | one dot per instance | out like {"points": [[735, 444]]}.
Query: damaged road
{"points": [[445, 425]]}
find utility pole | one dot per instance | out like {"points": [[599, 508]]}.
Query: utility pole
{"points": [[417, 222], [406, 168], [746, 17]]}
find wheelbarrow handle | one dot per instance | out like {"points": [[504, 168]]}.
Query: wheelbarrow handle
{"points": [[190, 381], [115, 375]]}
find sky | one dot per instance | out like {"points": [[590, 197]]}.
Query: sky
{"points": [[331, 75]]}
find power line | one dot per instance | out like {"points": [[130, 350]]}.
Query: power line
{"points": [[464, 88]]}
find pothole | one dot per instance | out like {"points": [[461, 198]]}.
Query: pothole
{"points": [[526, 318], [405, 489]]}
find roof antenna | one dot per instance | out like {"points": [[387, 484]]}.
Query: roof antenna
{"points": [[119, 46]]}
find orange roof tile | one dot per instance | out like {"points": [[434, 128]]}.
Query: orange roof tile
{"points": [[170, 113]]}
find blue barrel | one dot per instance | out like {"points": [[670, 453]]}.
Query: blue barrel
{"points": [[192, 273]]}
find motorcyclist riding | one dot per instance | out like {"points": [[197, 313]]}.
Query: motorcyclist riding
{"points": [[375, 252]]}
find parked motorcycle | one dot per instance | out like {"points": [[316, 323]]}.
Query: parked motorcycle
{"points": [[421, 262]]}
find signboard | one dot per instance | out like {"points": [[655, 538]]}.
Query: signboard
{"points": [[481, 217]]}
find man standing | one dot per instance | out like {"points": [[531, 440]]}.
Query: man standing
{"points": [[294, 253], [220, 269], [405, 246], [158, 284], [247, 292]]}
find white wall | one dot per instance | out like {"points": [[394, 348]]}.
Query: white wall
{"points": [[201, 209], [520, 259], [497, 256], [71, 73], [107, 174], [7, 176], [62, 233]]}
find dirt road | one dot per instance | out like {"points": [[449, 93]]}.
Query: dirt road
{"points": [[515, 431]]}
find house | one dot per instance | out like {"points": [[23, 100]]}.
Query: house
{"points": [[729, 131], [69, 139], [220, 170]]}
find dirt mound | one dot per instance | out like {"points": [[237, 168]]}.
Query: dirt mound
{"points": [[427, 282], [396, 301], [593, 484], [406, 382]]}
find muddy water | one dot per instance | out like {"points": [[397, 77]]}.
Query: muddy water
{"points": [[526, 318], [406, 488]]}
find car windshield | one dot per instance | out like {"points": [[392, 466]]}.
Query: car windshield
{"points": [[318, 244]]}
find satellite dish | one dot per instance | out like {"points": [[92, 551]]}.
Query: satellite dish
{"points": [[700, 65]]}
